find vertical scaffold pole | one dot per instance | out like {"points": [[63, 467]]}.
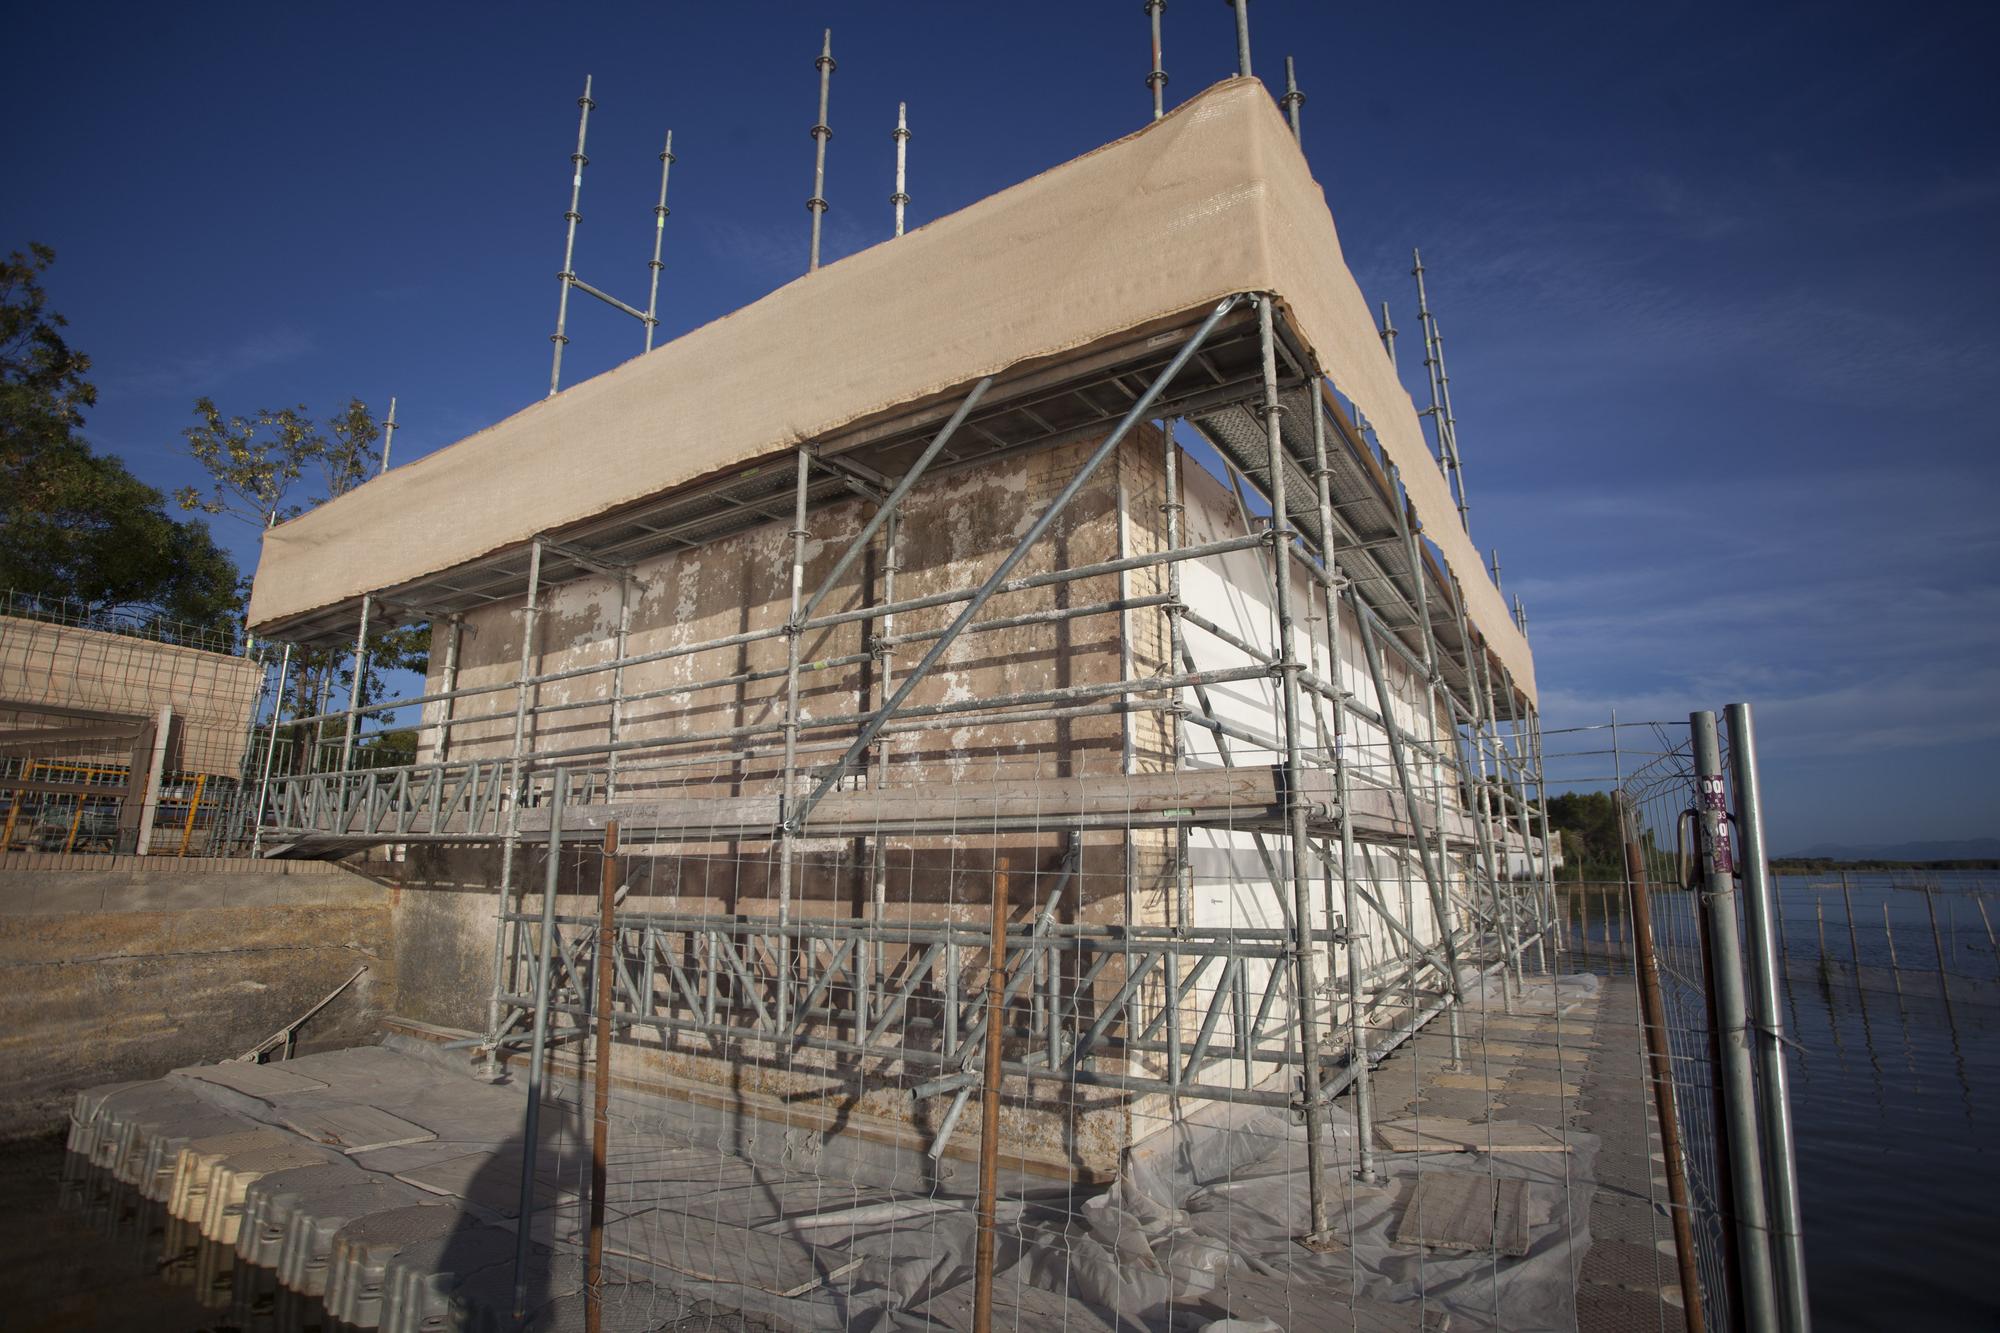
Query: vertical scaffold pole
{"points": [[1739, 1098], [794, 635], [1433, 867], [660, 212], [511, 842], [568, 275], [1548, 839], [450, 679], [1760, 916], [1442, 420], [1388, 336], [1292, 101], [1522, 809], [901, 198], [1156, 78], [389, 433], [270, 754], [1319, 1233], [1350, 906], [1172, 511], [616, 721], [538, 1050], [1433, 676], [1242, 8], [600, 1083], [354, 685], [821, 132]]}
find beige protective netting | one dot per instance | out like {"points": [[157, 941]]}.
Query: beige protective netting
{"points": [[1214, 199]]}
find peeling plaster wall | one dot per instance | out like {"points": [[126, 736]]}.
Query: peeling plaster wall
{"points": [[954, 529]]}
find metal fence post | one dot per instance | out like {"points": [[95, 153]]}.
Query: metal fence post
{"points": [[1659, 1054], [1739, 1096], [1760, 917]]}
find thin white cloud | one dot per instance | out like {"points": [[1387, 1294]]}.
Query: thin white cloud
{"points": [[197, 372]]}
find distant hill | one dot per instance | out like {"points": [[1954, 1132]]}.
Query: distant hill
{"points": [[1964, 849]]}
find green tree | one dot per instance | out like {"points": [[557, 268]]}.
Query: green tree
{"points": [[272, 466], [74, 523], [1593, 842], [255, 463]]}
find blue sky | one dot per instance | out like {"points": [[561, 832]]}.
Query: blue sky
{"points": [[1718, 283]]}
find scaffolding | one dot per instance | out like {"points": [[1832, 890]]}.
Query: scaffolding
{"points": [[1353, 737]]}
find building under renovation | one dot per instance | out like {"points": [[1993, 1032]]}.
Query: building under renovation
{"points": [[1059, 612]]}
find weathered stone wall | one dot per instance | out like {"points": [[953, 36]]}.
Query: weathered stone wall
{"points": [[117, 973]]}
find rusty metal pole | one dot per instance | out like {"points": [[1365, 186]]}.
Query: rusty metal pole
{"points": [[600, 1113], [1654, 1011], [989, 1108]]}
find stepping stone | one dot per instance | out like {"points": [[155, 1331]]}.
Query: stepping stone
{"points": [[354, 1129], [1452, 1210], [260, 1081]]}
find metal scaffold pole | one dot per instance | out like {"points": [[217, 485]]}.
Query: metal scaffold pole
{"points": [[901, 198], [530, 617], [1738, 1087], [821, 132], [1156, 78], [1319, 1232], [538, 1051], [568, 275], [1760, 915], [1242, 8], [1332, 585], [452, 644], [360, 674], [389, 433], [660, 213], [270, 754], [1292, 101], [1440, 413], [794, 634]]}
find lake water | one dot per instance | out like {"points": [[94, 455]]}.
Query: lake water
{"points": [[1895, 1089]]}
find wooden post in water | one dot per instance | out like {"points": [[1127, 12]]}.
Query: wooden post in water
{"points": [[1654, 1010], [1987, 921], [600, 1115], [989, 1109], [1889, 933]]}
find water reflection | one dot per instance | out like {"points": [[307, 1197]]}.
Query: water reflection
{"points": [[1892, 993]]}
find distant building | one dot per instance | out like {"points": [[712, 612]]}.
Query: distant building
{"points": [[116, 740]]}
